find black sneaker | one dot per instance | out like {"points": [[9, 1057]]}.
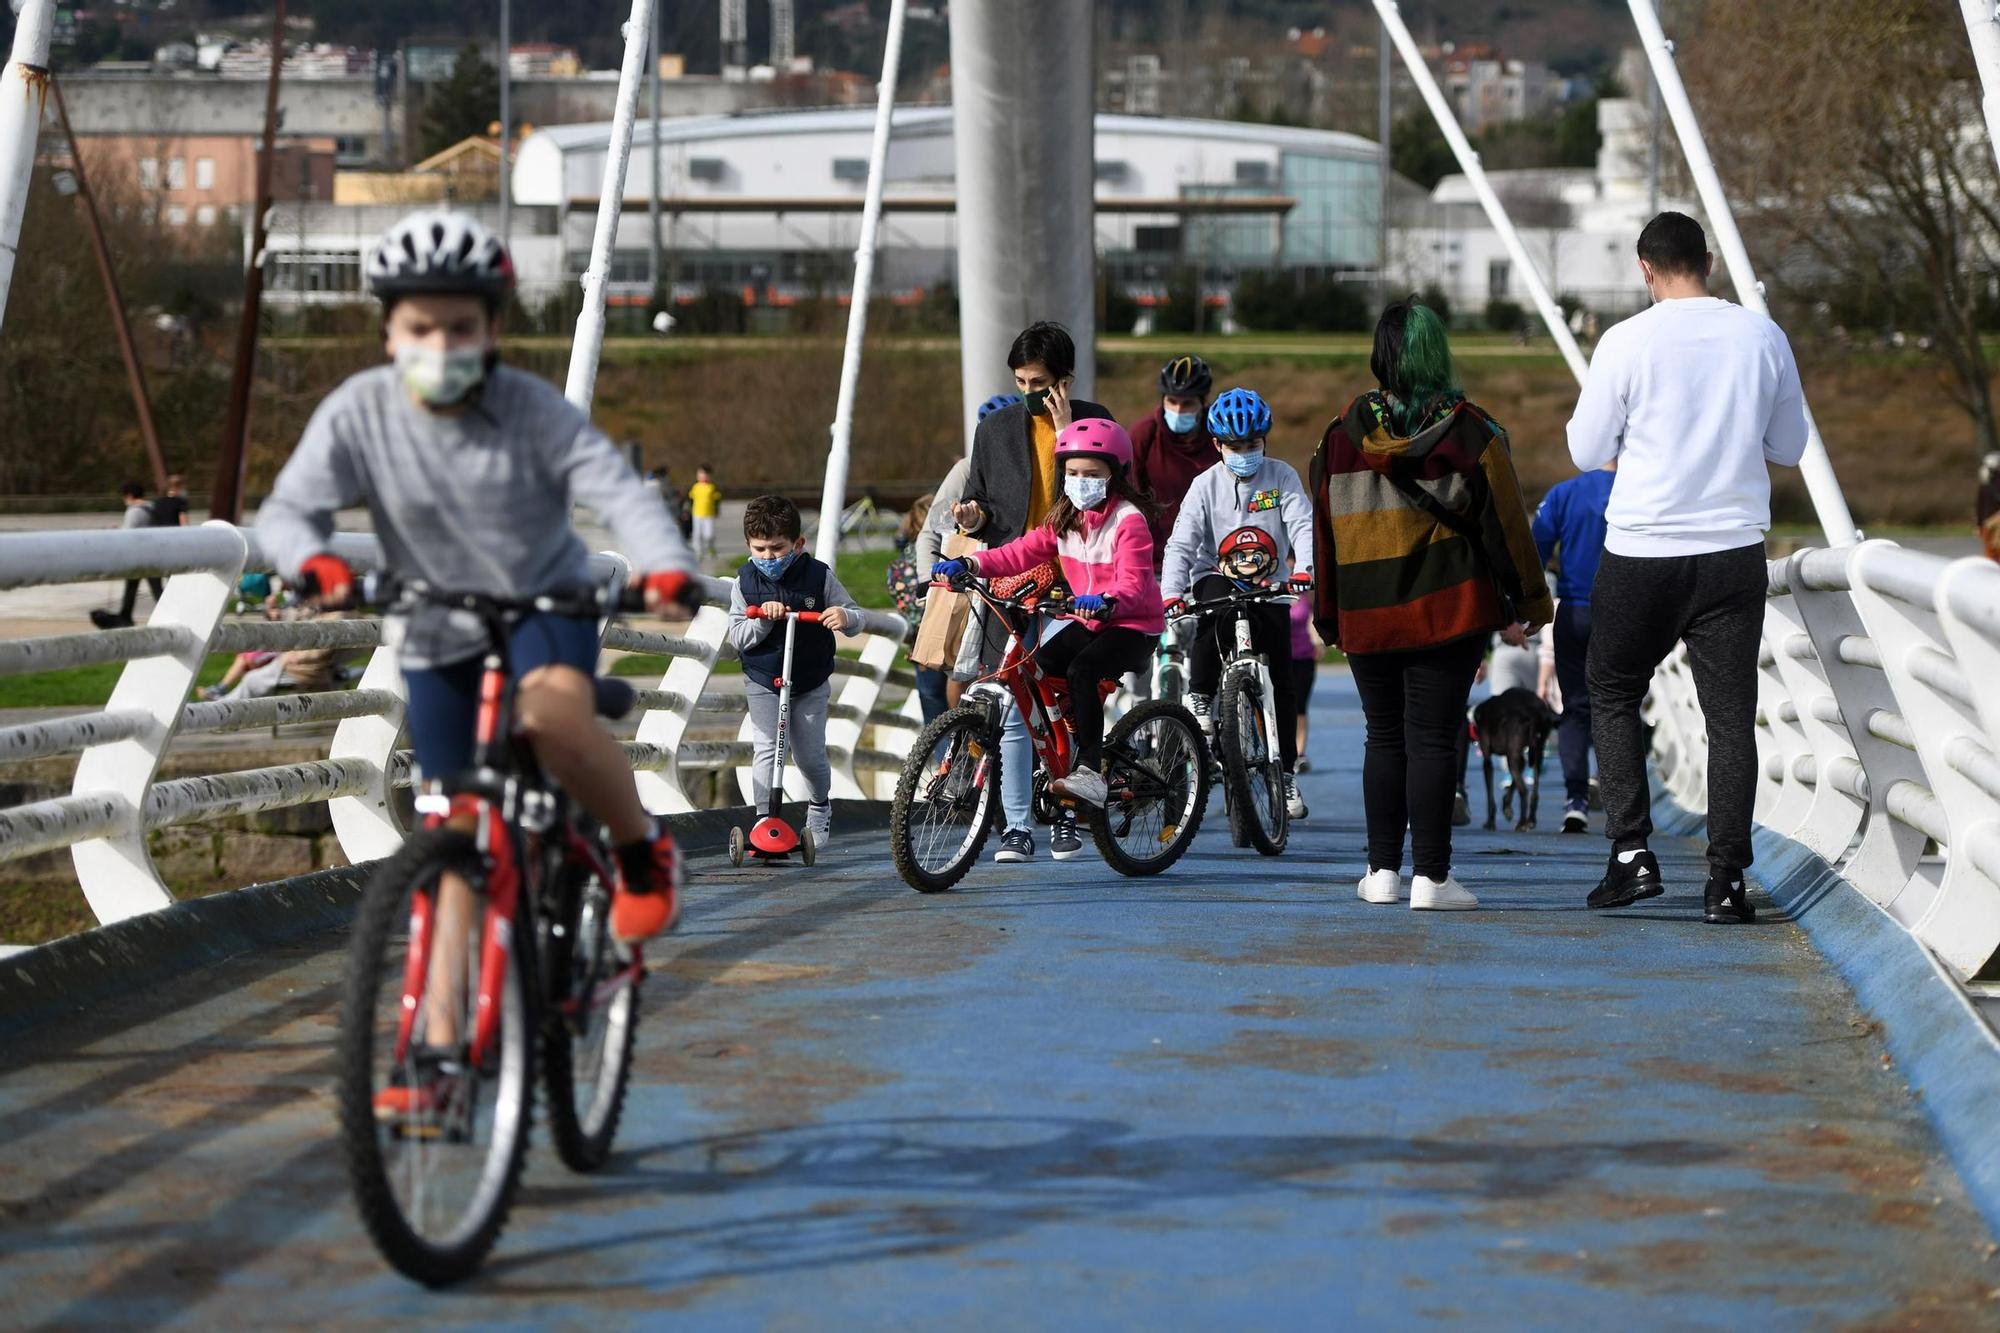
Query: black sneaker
{"points": [[1016, 844], [1576, 817], [1725, 901], [110, 620], [1461, 810], [1063, 839], [1626, 882]]}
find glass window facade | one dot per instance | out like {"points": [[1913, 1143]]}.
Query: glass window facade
{"points": [[1335, 222]]}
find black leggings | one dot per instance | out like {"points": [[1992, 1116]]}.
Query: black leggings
{"points": [[1415, 706], [1270, 634], [1086, 657]]}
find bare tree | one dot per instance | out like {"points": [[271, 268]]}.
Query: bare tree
{"points": [[1852, 133]]}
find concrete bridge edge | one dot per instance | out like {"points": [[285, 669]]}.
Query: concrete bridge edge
{"points": [[60, 979], [1942, 1045]]}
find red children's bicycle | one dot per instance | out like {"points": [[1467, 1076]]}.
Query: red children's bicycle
{"points": [[483, 956], [1156, 765]]}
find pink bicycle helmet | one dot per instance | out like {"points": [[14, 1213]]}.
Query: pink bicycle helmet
{"points": [[1095, 437]]}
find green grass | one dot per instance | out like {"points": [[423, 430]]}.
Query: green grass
{"points": [[84, 687]]}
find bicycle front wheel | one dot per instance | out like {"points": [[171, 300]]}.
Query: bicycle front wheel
{"points": [[945, 800], [1157, 787], [588, 1036], [434, 1144], [1251, 765]]}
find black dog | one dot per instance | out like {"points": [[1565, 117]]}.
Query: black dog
{"points": [[1515, 725]]}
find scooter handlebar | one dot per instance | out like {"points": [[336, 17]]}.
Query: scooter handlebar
{"points": [[756, 612]]}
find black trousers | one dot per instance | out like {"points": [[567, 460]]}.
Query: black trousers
{"points": [[1715, 602], [132, 595], [1414, 704], [1085, 658], [1270, 634], [1572, 631]]}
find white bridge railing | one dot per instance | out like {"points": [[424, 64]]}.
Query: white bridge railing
{"points": [[118, 797], [1878, 734]]}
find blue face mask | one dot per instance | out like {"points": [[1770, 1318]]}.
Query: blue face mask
{"points": [[1180, 423], [775, 568], [1244, 464], [1086, 492]]}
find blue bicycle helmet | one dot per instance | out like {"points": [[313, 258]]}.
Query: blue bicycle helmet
{"points": [[1239, 415], [996, 402]]}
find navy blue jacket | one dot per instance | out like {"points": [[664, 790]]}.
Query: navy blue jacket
{"points": [[802, 587]]}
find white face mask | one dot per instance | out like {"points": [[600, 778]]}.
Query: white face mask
{"points": [[1086, 492], [441, 378]]}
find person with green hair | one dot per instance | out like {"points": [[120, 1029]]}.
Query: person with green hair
{"points": [[1423, 550]]}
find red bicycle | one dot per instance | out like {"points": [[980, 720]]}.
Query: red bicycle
{"points": [[1156, 765], [481, 947]]}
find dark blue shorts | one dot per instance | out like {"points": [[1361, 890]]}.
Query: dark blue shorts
{"points": [[444, 701]]}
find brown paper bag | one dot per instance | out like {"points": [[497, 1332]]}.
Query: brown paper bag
{"points": [[945, 613]]}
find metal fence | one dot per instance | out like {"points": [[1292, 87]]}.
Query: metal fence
{"points": [[1878, 731], [118, 796]]}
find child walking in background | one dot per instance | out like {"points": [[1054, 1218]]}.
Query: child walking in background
{"points": [[780, 577], [1100, 531], [704, 501], [1246, 490]]}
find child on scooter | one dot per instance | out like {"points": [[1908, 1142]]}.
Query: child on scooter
{"points": [[780, 577], [1100, 532]]}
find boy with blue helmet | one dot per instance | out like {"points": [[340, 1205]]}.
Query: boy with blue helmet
{"points": [[1246, 489]]}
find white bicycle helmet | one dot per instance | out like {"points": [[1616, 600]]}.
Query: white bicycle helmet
{"points": [[436, 251]]}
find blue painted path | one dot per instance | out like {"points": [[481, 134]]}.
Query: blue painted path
{"points": [[1230, 1096]]}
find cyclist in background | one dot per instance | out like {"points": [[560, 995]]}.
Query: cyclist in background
{"points": [[1247, 489], [1101, 532], [1171, 447], [469, 468]]}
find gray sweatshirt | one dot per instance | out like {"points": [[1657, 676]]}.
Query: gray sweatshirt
{"points": [[474, 501], [1220, 502]]}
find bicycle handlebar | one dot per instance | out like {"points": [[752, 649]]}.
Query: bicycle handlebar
{"points": [[380, 589], [1276, 594]]}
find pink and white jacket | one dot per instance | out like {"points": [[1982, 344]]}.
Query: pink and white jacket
{"points": [[1112, 556]]}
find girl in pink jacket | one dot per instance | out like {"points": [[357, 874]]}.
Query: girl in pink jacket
{"points": [[1101, 531]]}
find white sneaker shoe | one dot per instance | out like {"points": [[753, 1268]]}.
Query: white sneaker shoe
{"points": [[819, 823], [1295, 804], [1446, 895], [1085, 785], [1203, 709], [1380, 886]]}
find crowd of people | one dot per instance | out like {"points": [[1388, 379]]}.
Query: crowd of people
{"points": [[1421, 561], [1410, 547]]}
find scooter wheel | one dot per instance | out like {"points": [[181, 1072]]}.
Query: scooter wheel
{"points": [[808, 849], [739, 847]]}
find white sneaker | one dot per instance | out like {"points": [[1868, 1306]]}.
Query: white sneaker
{"points": [[1086, 785], [1380, 886], [1200, 705], [1446, 895], [1295, 804], [819, 823]]}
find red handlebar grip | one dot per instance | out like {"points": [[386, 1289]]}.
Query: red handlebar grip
{"points": [[755, 611]]}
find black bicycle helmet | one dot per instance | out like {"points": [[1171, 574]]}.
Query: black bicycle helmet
{"points": [[1186, 377], [444, 253]]}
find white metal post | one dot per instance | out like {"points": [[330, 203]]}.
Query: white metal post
{"points": [[1468, 162], [507, 125], [833, 494], [590, 322], [1816, 467], [1982, 25], [23, 90]]}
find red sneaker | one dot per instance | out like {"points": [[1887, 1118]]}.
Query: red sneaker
{"points": [[641, 911]]}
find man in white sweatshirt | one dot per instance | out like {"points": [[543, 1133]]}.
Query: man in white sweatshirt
{"points": [[1692, 398]]}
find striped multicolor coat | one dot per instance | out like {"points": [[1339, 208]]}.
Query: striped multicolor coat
{"points": [[1391, 577]]}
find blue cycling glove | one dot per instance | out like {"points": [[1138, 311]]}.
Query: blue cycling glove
{"points": [[944, 571], [1087, 603]]}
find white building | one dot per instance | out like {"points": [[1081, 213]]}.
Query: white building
{"points": [[771, 202], [1579, 225]]}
